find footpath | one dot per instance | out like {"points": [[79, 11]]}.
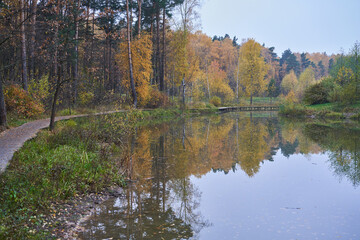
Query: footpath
{"points": [[13, 139]]}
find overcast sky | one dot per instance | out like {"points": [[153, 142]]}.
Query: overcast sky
{"points": [[301, 25]]}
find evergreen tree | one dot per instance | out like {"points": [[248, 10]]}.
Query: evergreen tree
{"points": [[305, 62], [235, 44], [321, 69], [331, 64], [289, 59]]}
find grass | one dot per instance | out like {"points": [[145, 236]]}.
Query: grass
{"points": [[319, 107], [336, 107], [56, 166], [333, 111]]}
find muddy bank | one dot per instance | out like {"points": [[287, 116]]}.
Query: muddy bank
{"points": [[64, 219]]}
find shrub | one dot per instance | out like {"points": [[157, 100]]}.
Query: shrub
{"points": [[19, 101], [216, 101], [199, 105], [316, 94], [348, 94], [293, 110], [290, 97], [335, 94], [39, 90], [157, 99], [86, 97]]}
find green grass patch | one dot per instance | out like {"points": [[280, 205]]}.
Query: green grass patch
{"points": [[319, 107], [336, 107]]}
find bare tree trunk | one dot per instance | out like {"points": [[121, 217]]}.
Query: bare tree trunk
{"points": [[109, 76], [76, 63], [56, 68], [237, 84], [53, 106], [139, 15], [158, 58], [33, 35], [3, 122], [183, 90], [163, 62], [92, 40], [23, 47], [56, 40], [207, 79], [132, 83]]}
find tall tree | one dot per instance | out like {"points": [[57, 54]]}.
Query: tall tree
{"points": [[139, 2], [252, 69], [32, 38], [288, 59], [321, 69], [76, 15], [3, 122], [23, 46], [305, 62], [167, 7], [132, 83]]}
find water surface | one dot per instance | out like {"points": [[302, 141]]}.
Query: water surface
{"points": [[235, 176]]}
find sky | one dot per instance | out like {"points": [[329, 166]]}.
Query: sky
{"points": [[329, 26]]}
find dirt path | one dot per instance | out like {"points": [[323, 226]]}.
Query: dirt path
{"points": [[13, 139]]}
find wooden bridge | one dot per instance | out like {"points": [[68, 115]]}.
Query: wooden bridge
{"points": [[249, 108]]}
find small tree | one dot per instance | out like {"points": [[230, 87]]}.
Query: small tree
{"points": [[272, 90]]}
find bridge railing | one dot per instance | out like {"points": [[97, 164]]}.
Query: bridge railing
{"points": [[249, 108]]}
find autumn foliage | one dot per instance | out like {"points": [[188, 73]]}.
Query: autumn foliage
{"points": [[157, 99], [142, 67], [20, 102]]}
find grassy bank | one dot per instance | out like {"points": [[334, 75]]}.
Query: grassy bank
{"points": [[325, 111], [57, 166]]}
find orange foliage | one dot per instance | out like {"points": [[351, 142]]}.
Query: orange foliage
{"points": [[19, 101]]}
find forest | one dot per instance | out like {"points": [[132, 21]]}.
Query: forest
{"points": [[149, 54]]}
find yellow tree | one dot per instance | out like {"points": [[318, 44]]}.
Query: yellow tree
{"points": [[202, 46], [306, 79], [141, 49], [183, 60], [289, 82], [252, 69]]}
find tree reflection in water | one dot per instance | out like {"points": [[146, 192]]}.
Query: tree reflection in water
{"points": [[343, 146], [162, 202]]}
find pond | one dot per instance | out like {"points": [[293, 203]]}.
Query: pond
{"points": [[236, 176]]}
